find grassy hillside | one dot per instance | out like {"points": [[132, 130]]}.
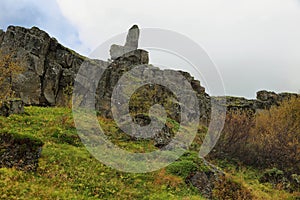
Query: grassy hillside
{"points": [[68, 171]]}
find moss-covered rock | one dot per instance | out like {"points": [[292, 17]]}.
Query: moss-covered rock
{"points": [[15, 106]]}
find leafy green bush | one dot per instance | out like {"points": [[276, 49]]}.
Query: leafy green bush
{"points": [[188, 163]]}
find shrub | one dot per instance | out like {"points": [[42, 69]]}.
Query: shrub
{"points": [[234, 139], [276, 137], [273, 176], [281, 180], [227, 188], [267, 139]]}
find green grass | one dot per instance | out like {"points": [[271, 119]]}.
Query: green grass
{"points": [[68, 171], [249, 178]]}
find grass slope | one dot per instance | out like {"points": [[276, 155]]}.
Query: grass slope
{"points": [[68, 171]]}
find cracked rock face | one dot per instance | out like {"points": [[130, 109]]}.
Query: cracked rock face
{"points": [[47, 65], [50, 69]]}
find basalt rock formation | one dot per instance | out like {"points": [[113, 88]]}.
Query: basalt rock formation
{"points": [[264, 101], [49, 77], [51, 69]]}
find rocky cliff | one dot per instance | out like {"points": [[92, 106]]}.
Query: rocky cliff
{"points": [[264, 101], [50, 70], [49, 67]]}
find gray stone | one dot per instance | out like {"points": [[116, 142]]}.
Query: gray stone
{"points": [[264, 100], [10, 107], [132, 39], [131, 44], [49, 67], [206, 180], [117, 51]]}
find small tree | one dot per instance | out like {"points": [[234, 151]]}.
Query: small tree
{"points": [[9, 69]]}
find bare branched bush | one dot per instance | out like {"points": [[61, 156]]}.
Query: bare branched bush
{"points": [[267, 139], [276, 137], [234, 140], [9, 69]]}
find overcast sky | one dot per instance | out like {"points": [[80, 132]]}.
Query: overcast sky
{"points": [[254, 43]]}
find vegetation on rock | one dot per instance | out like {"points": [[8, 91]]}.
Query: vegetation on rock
{"points": [[9, 70]]}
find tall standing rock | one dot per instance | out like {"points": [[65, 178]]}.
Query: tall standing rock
{"points": [[132, 39], [131, 44]]}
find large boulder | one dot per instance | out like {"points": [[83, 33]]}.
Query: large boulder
{"points": [[206, 180]]}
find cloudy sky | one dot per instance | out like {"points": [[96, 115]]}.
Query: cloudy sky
{"points": [[255, 44]]}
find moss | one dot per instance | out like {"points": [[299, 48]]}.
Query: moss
{"points": [[182, 168], [188, 163]]}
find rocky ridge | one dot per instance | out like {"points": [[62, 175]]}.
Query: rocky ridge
{"points": [[51, 69], [264, 101]]}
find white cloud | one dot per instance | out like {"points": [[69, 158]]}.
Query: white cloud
{"points": [[255, 43]]}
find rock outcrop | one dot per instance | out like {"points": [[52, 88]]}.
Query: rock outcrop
{"points": [[206, 179], [131, 44], [128, 57], [264, 100], [51, 69], [15, 106]]}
